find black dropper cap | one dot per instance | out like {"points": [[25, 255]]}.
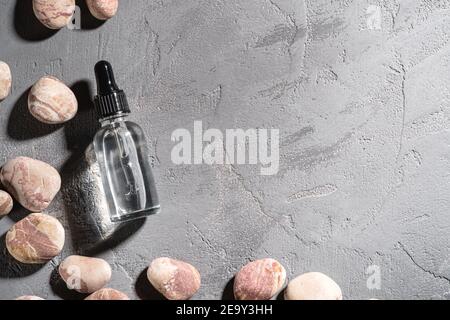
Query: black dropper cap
{"points": [[110, 100]]}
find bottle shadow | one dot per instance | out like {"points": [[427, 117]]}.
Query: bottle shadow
{"points": [[27, 26], [23, 126], [11, 268], [91, 229], [81, 129]]}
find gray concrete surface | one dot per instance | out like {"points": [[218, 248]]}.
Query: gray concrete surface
{"points": [[364, 120]]}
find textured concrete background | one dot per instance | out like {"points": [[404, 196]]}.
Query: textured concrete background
{"points": [[363, 117]]}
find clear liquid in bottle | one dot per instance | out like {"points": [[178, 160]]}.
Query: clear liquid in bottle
{"points": [[122, 153]]}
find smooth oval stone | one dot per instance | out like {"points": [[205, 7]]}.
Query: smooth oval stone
{"points": [[313, 286], [6, 203], [174, 279], [85, 274], [31, 182], [108, 294], [54, 14], [5, 80], [103, 9], [51, 101], [35, 239], [29, 298], [259, 280]]}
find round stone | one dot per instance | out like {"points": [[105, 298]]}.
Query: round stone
{"points": [[29, 298], [5, 80], [6, 203], [35, 239], [259, 280], [51, 101], [313, 286], [85, 274], [174, 279], [103, 9], [54, 14], [108, 294], [33, 183]]}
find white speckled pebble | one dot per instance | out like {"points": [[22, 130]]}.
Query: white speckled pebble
{"points": [[108, 294], [175, 279], [6, 203], [259, 280], [51, 101], [103, 9], [35, 239], [85, 274], [54, 14], [29, 298], [313, 286], [33, 183], [5, 80]]}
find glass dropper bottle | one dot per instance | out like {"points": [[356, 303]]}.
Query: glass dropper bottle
{"points": [[122, 153]]}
